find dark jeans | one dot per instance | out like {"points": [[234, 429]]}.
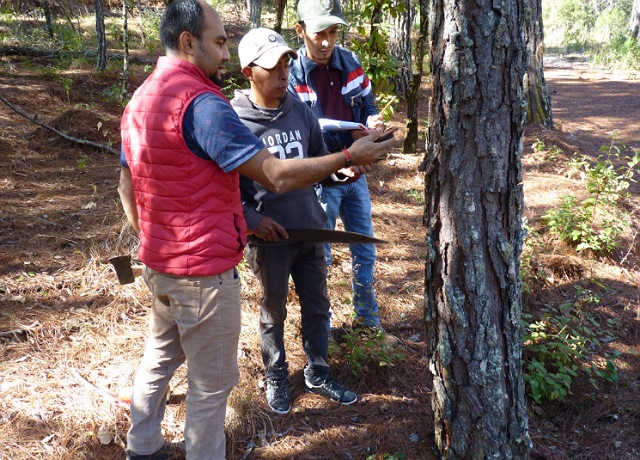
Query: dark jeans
{"points": [[305, 263]]}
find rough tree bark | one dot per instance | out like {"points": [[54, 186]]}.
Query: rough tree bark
{"points": [[535, 85], [473, 215], [280, 6], [47, 17], [400, 49], [255, 12], [101, 63], [413, 124]]}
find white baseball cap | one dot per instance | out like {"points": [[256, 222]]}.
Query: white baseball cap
{"points": [[263, 47]]}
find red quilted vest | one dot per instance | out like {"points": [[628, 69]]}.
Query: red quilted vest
{"points": [[189, 209]]}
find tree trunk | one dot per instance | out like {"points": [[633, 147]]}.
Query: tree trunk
{"points": [[635, 19], [125, 61], [280, 7], [101, 63], [410, 144], [535, 85], [473, 214], [47, 17], [255, 12], [141, 19], [400, 48]]}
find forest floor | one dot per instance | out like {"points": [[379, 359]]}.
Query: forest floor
{"points": [[71, 335]]}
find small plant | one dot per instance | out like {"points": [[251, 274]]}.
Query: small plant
{"points": [[116, 93], [364, 347], [530, 271], [550, 154], [558, 348], [83, 161], [416, 195], [387, 456], [606, 183], [538, 145]]}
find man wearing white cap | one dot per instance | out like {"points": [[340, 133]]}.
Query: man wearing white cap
{"points": [[290, 130], [331, 80]]}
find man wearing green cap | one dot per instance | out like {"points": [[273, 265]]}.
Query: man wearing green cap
{"points": [[331, 80]]}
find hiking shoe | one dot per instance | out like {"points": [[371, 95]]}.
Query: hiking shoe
{"points": [[161, 454], [278, 397], [332, 390]]}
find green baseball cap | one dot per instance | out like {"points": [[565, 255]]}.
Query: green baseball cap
{"points": [[319, 15]]}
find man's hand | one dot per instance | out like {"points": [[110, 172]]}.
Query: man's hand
{"points": [[270, 230], [375, 122], [366, 150]]}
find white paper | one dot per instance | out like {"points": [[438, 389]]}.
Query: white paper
{"points": [[327, 124]]}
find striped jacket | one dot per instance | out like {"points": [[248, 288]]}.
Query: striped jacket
{"points": [[357, 92]]}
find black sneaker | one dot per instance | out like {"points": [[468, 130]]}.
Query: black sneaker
{"points": [[161, 454], [332, 390], [278, 397]]}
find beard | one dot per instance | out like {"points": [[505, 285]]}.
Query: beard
{"points": [[217, 79]]}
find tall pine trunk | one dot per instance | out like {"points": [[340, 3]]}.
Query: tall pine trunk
{"points": [[101, 63], [473, 215], [413, 123], [400, 49], [535, 85]]}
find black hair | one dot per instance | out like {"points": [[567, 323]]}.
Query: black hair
{"points": [[181, 16]]}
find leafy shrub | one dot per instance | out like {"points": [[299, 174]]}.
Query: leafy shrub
{"points": [[364, 347], [606, 183], [558, 349]]}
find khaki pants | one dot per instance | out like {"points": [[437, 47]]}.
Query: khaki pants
{"points": [[197, 319]]}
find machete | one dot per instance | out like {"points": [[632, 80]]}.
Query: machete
{"points": [[128, 273], [323, 235]]}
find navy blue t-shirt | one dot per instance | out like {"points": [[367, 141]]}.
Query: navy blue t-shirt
{"points": [[213, 131]]}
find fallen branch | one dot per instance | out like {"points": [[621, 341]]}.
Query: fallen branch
{"points": [[56, 54], [12, 334], [54, 130]]}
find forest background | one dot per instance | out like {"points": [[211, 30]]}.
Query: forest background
{"points": [[72, 336]]}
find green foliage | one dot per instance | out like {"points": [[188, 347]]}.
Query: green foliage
{"points": [[373, 51], [599, 28], [559, 347], [550, 154], [83, 161], [387, 456], [116, 93], [597, 222], [417, 195], [232, 83], [530, 272], [364, 347]]}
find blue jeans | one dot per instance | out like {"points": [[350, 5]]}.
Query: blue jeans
{"points": [[353, 204]]}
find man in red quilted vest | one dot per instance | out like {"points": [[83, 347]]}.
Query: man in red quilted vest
{"points": [[183, 151]]}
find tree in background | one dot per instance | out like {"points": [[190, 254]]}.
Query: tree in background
{"points": [[635, 19], [400, 47], [535, 85], [101, 63], [413, 123], [255, 12], [473, 215]]}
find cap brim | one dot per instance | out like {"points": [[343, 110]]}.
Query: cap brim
{"points": [[324, 22], [270, 58]]}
